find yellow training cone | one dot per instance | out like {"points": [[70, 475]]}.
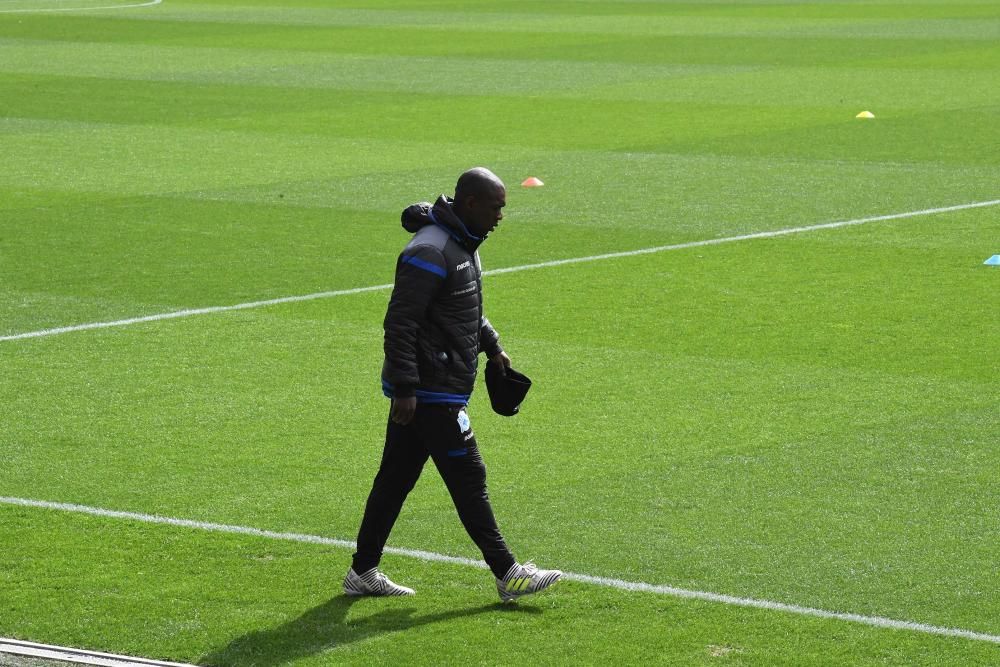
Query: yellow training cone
{"points": [[532, 182], [865, 114]]}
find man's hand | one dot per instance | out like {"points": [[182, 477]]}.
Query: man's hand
{"points": [[403, 409], [502, 360]]}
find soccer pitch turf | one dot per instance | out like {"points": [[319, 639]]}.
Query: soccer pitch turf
{"points": [[806, 422]]}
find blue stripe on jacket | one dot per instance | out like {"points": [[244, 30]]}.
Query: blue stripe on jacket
{"points": [[425, 265], [431, 397]]}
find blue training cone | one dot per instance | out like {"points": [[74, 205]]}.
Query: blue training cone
{"points": [[993, 261]]}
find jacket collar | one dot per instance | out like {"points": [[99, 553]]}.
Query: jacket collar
{"points": [[443, 215]]}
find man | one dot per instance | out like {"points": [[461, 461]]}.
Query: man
{"points": [[434, 332]]}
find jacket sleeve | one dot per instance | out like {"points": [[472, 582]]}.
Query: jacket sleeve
{"points": [[420, 272], [489, 339]]}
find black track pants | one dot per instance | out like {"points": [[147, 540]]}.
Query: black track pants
{"points": [[443, 433]]}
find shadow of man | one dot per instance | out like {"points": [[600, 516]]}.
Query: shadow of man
{"points": [[326, 627]]}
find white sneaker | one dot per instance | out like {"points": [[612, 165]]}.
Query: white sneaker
{"points": [[373, 582], [524, 580]]}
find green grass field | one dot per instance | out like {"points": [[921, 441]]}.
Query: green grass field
{"points": [[809, 419]]}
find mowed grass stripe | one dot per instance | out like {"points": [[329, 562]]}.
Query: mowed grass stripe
{"points": [[512, 269], [633, 586], [792, 88], [316, 167], [704, 52], [178, 242], [304, 621], [351, 134], [976, 21]]}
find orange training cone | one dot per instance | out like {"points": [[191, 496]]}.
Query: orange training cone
{"points": [[532, 182]]}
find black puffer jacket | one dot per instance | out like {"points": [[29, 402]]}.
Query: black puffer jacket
{"points": [[434, 326]]}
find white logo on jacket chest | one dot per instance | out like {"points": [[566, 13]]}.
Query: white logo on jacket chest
{"points": [[464, 265]]}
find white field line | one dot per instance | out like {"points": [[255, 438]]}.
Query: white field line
{"points": [[78, 9], [634, 586], [510, 269], [194, 311], [749, 237], [79, 656]]}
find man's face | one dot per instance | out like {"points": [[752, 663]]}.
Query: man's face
{"points": [[484, 212]]}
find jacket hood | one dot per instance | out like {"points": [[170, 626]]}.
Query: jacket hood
{"points": [[440, 213]]}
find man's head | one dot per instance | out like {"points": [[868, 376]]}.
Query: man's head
{"points": [[479, 200]]}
